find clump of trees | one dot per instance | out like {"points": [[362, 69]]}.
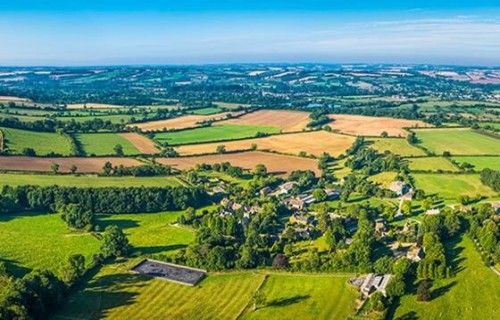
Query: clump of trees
{"points": [[491, 178]]}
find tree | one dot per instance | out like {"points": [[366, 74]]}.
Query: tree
{"points": [[73, 169], [76, 216], [396, 287], [384, 134], [74, 269], [259, 300], [54, 167], [253, 146], [118, 150], [280, 261], [29, 152], [406, 207], [221, 149], [260, 170], [107, 168], [114, 242], [320, 195], [423, 290]]}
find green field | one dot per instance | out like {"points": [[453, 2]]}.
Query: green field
{"points": [[397, 146], [383, 178], [102, 144], [472, 294], [450, 186], [480, 163], [431, 164], [18, 179], [205, 111], [458, 142], [114, 118], [42, 142], [213, 133], [495, 125], [305, 296]]}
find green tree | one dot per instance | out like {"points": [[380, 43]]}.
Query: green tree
{"points": [[423, 290], [107, 168], [118, 150], [73, 169], [76, 216], [221, 149], [54, 167], [260, 170], [74, 269], [114, 242], [319, 195]]}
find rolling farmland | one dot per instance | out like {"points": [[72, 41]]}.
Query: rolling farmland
{"points": [[103, 144], [43, 143]]}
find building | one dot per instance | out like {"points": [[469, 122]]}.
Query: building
{"points": [[298, 219], [333, 193], [265, 191], [380, 226], [374, 283], [285, 188], [415, 254], [432, 212], [300, 202], [399, 187], [496, 206]]}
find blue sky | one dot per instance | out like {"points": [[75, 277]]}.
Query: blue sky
{"points": [[78, 32]]}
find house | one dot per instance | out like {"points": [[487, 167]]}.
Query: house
{"points": [[380, 226], [374, 283], [333, 193], [399, 187], [496, 206], [301, 201], [432, 212], [295, 218], [302, 233], [265, 191], [286, 187], [415, 254]]}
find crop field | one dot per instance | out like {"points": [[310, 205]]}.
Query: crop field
{"points": [[92, 106], [276, 163], [85, 165], [213, 133], [182, 122], [373, 126], [19, 179], [14, 99], [140, 142], [102, 144], [480, 163], [287, 121], [42, 142], [431, 164], [306, 296], [458, 142], [315, 143], [397, 146], [472, 294], [450, 186], [42, 241]]}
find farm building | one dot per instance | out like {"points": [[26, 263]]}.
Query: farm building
{"points": [[286, 187], [431, 212], [399, 187], [298, 219], [374, 283]]}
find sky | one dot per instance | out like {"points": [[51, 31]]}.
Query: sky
{"points": [[77, 32]]}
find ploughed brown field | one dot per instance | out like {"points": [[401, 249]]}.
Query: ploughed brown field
{"points": [[142, 143], [277, 164], [315, 143], [85, 165], [92, 106], [183, 122], [373, 126], [288, 121]]}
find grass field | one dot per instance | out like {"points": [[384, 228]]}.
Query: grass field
{"points": [[458, 142], [373, 126], [480, 163], [213, 133], [495, 125], [42, 142], [182, 122], [287, 121], [114, 118], [472, 294], [18, 179], [431, 164], [383, 178], [205, 111], [397, 146], [304, 296], [450, 186], [102, 144]]}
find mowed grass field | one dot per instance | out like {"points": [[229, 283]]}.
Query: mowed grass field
{"points": [[19, 179], [450, 186], [306, 296], [480, 163], [102, 144], [397, 146], [42, 142], [214, 133], [431, 164], [458, 142], [472, 294]]}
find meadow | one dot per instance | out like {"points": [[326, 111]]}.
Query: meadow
{"points": [[397, 146], [480, 163], [102, 144], [431, 164], [450, 186], [473, 293], [42, 142], [458, 142], [85, 181], [205, 111], [213, 133]]}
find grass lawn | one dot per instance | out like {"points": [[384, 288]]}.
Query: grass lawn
{"points": [[383, 178], [431, 164], [30, 241], [450, 186], [213, 133], [480, 163], [458, 142], [102, 144], [18, 179], [472, 294], [397, 146], [306, 296], [205, 111], [42, 142]]}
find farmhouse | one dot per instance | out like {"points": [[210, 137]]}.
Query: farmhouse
{"points": [[374, 283], [399, 187], [301, 201]]}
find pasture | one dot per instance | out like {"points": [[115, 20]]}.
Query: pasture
{"points": [[431, 164], [42, 142], [450, 186], [373, 126], [205, 111], [92, 106], [102, 144], [458, 141], [397, 146], [182, 122], [286, 121], [84, 165], [85, 181], [473, 293], [277, 164], [480, 163], [231, 105], [383, 178], [213, 133], [315, 143]]}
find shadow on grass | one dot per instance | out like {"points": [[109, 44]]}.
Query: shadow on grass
{"points": [[12, 216], [412, 315], [14, 268], [158, 249], [287, 301], [453, 251], [442, 290], [105, 221]]}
